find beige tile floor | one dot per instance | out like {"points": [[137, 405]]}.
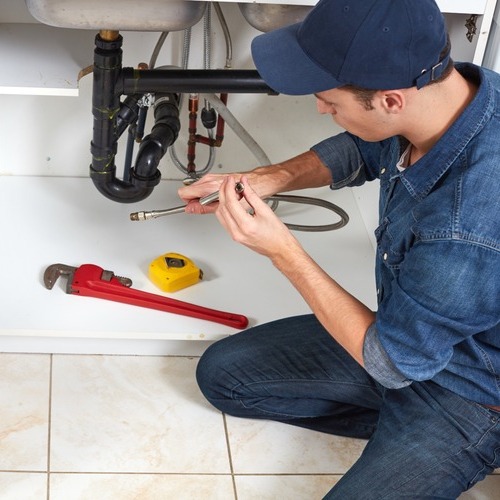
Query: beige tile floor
{"points": [[128, 427]]}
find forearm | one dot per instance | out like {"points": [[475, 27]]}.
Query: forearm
{"points": [[303, 171], [344, 317]]}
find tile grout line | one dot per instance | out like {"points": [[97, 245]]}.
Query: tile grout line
{"points": [[49, 433], [231, 468]]}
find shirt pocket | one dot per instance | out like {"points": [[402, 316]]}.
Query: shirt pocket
{"points": [[394, 239]]}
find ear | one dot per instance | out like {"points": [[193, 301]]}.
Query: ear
{"points": [[392, 101]]}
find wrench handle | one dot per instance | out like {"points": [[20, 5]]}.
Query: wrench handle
{"points": [[119, 293]]}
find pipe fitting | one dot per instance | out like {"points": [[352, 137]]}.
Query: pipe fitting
{"points": [[154, 146]]}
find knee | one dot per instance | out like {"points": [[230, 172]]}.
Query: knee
{"points": [[213, 375], [207, 372], [224, 370]]}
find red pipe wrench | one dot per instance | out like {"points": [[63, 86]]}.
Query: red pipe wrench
{"points": [[93, 281]]}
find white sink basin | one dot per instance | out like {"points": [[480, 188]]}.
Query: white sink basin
{"points": [[133, 15]]}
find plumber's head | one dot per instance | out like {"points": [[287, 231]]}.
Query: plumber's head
{"points": [[370, 44]]}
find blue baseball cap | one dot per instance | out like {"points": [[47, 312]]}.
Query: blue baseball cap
{"points": [[373, 44]]}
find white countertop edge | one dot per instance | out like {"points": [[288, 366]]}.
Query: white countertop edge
{"points": [[110, 335]]}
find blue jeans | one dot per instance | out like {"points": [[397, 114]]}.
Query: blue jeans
{"points": [[423, 441]]}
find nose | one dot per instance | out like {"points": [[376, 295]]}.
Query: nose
{"points": [[324, 108]]}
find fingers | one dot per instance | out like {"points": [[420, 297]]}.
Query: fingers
{"points": [[261, 231], [203, 187], [234, 215], [230, 212], [192, 193], [196, 208], [251, 197]]}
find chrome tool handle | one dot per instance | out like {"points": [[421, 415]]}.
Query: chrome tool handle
{"points": [[154, 214]]}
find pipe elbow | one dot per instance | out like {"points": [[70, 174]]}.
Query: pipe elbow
{"points": [[150, 153], [124, 192]]}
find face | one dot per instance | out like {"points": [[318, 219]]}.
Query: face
{"points": [[349, 113]]}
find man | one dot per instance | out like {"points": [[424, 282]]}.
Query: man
{"points": [[419, 378]]}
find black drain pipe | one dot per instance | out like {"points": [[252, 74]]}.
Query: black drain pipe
{"points": [[107, 128], [111, 117], [163, 134], [186, 81]]}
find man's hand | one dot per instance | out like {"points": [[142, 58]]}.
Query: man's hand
{"points": [[191, 194], [259, 229]]}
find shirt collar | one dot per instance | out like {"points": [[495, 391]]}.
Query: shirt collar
{"points": [[421, 177]]}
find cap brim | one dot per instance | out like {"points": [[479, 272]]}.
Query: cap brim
{"points": [[285, 67]]}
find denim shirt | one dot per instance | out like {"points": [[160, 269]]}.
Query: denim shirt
{"points": [[438, 250]]}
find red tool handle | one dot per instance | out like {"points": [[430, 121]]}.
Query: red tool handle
{"points": [[87, 281]]}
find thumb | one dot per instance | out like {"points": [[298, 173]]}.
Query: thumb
{"points": [[250, 196], [257, 204]]}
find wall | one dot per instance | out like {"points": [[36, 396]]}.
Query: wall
{"points": [[492, 56]]}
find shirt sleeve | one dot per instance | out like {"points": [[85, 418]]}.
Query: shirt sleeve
{"points": [[378, 364], [351, 160]]}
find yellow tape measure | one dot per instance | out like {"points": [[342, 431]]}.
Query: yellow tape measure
{"points": [[172, 271]]}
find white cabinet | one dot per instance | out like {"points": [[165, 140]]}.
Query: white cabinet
{"points": [[43, 60], [52, 212]]}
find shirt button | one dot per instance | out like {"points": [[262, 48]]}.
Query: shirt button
{"points": [[382, 170], [385, 256]]}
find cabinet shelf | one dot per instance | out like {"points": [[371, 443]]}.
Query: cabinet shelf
{"points": [[77, 225], [41, 60]]}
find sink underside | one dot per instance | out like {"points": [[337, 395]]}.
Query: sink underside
{"points": [[268, 17], [133, 15], [153, 15]]}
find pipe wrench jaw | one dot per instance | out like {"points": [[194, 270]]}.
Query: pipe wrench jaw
{"points": [[53, 272], [79, 277]]}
